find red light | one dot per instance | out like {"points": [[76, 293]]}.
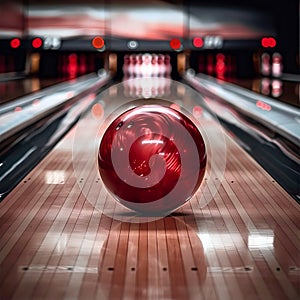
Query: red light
{"points": [[198, 42], [268, 42], [37, 43], [272, 42], [98, 42], [263, 105], [175, 44], [265, 42], [15, 43]]}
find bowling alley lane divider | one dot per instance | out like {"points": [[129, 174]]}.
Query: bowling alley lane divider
{"points": [[25, 111], [20, 153], [279, 118], [28, 99]]}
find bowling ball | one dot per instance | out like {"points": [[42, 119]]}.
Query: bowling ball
{"points": [[152, 159]]}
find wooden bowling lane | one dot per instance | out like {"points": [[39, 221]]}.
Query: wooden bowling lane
{"points": [[55, 245], [153, 257]]}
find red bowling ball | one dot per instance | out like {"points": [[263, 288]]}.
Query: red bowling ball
{"points": [[152, 159]]}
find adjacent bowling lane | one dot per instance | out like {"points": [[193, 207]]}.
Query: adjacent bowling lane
{"points": [[263, 73], [280, 90], [49, 69], [13, 89]]}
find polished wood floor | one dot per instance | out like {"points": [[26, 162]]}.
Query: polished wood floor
{"points": [[55, 245]]}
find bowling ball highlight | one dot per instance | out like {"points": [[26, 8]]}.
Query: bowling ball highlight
{"points": [[152, 159]]}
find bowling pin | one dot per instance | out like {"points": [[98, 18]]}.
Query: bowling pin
{"points": [[155, 65], [276, 65], [126, 65], [135, 59], [220, 66], [147, 66], [131, 65], [138, 66], [265, 64], [73, 65], [168, 67], [161, 64]]}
